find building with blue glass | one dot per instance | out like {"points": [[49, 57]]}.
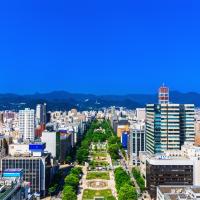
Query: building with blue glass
{"points": [[169, 126]]}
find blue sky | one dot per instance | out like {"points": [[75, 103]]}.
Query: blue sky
{"points": [[101, 47]]}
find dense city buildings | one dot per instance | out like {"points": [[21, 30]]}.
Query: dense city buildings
{"points": [[158, 144]]}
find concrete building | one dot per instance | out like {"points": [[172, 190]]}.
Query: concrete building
{"points": [[136, 143], [52, 140], [41, 114], [178, 167], [140, 114], [59, 144], [178, 193], [163, 95], [169, 126], [27, 124], [197, 132], [1, 118], [123, 126], [36, 165]]}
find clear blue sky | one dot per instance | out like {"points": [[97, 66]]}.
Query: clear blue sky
{"points": [[100, 47]]}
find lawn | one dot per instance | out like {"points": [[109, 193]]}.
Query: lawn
{"points": [[100, 154], [98, 175], [91, 194], [99, 163]]}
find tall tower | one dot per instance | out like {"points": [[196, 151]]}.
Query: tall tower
{"points": [[41, 112], [27, 124], [163, 95]]}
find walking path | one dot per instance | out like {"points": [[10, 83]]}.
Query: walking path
{"points": [[106, 184], [82, 185]]}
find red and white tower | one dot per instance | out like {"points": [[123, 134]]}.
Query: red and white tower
{"points": [[163, 95]]}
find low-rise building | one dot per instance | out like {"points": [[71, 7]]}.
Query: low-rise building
{"points": [[178, 193], [171, 168], [36, 165]]}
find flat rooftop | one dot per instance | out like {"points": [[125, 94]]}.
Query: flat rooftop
{"points": [[178, 192]]}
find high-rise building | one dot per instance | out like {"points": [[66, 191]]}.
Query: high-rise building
{"points": [[1, 118], [136, 143], [169, 126], [163, 95], [27, 124], [41, 114]]}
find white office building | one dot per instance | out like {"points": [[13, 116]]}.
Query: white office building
{"points": [[27, 124]]}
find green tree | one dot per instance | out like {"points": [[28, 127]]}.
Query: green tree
{"points": [[127, 192], [68, 193], [77, 171], [121, 178], [113, 150], [72, 180], [68, 159], [82, 155], [110, 198], [139, 179], [52, 189]]}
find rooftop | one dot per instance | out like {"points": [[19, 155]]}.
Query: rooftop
{"points": [[178, 192]]}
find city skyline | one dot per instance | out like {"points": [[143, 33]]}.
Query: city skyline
{"points": [[99, 100]]}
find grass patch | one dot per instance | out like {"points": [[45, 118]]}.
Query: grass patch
{"points": [[91, 194], [99, 163], [98, 175], [100, 154]]}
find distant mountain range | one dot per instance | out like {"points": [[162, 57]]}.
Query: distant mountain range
{"points": [[61, 100]]}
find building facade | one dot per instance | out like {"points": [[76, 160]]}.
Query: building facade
{"points": [[171, 168], [122, 126], [178, 192], [37, 171], [41, 114], [163, 95], [136, 143], [59, 144], [169, 126], [27, 124], [158, 173]]}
